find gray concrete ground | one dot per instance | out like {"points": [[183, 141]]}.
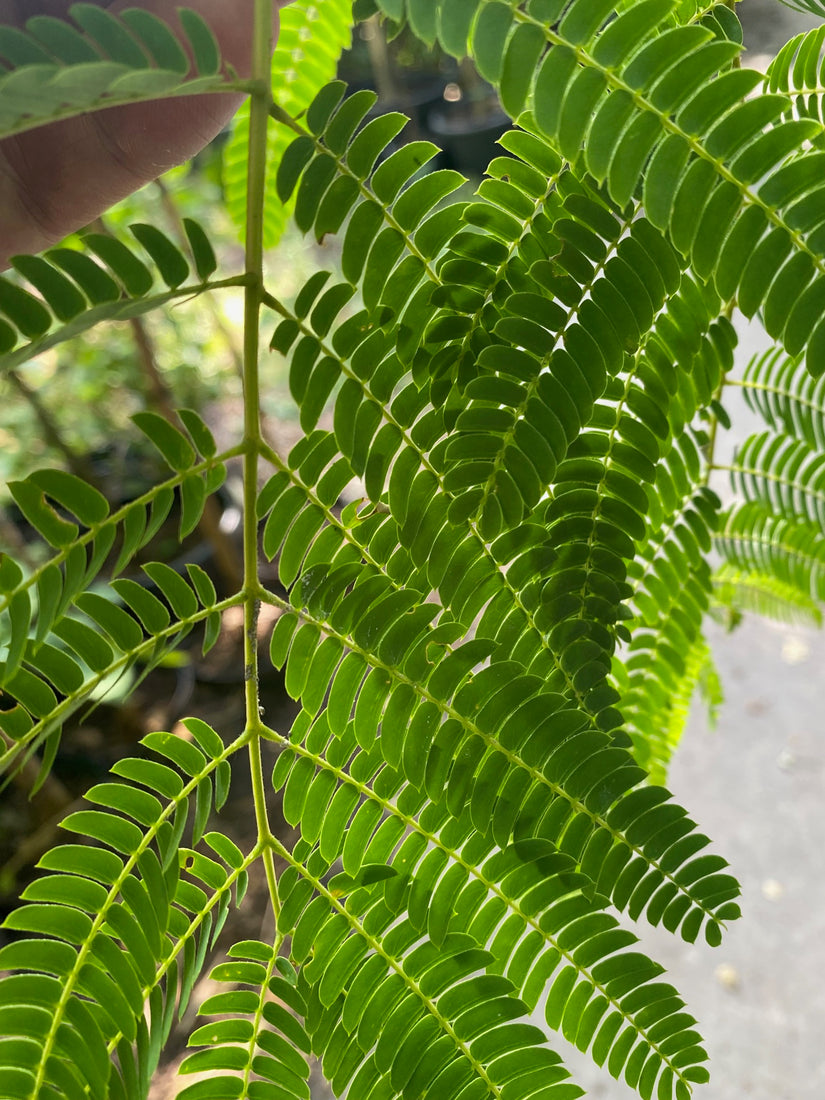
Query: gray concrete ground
{"points": [[769, 24], [755, 784]]}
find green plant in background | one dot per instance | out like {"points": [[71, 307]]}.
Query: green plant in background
{"points": [[310, 42], [495, 645]]}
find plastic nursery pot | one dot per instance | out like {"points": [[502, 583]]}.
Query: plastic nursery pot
{"points": [[467, 133]]}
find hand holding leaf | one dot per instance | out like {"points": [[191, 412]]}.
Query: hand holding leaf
{"points": [[59, 177]]}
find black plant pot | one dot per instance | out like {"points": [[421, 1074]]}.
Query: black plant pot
{"points": [[467, 137], [419, 98], [415, 97]]}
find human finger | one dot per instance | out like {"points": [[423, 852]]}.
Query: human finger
{"points": [[59, 177]]}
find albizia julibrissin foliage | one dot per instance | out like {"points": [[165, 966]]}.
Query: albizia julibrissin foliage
{"points": [[495, 646]]}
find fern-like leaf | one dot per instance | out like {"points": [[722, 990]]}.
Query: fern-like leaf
{"points": [[738, 591], [786, 397], [783, 474], [797, 71], [452, 1028], [264, 1038], [755, 540], [121, 928], [70, 291], [62, 642]]}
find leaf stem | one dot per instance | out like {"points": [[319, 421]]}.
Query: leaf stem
{"points": [[256, 189], [256, 195]]}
